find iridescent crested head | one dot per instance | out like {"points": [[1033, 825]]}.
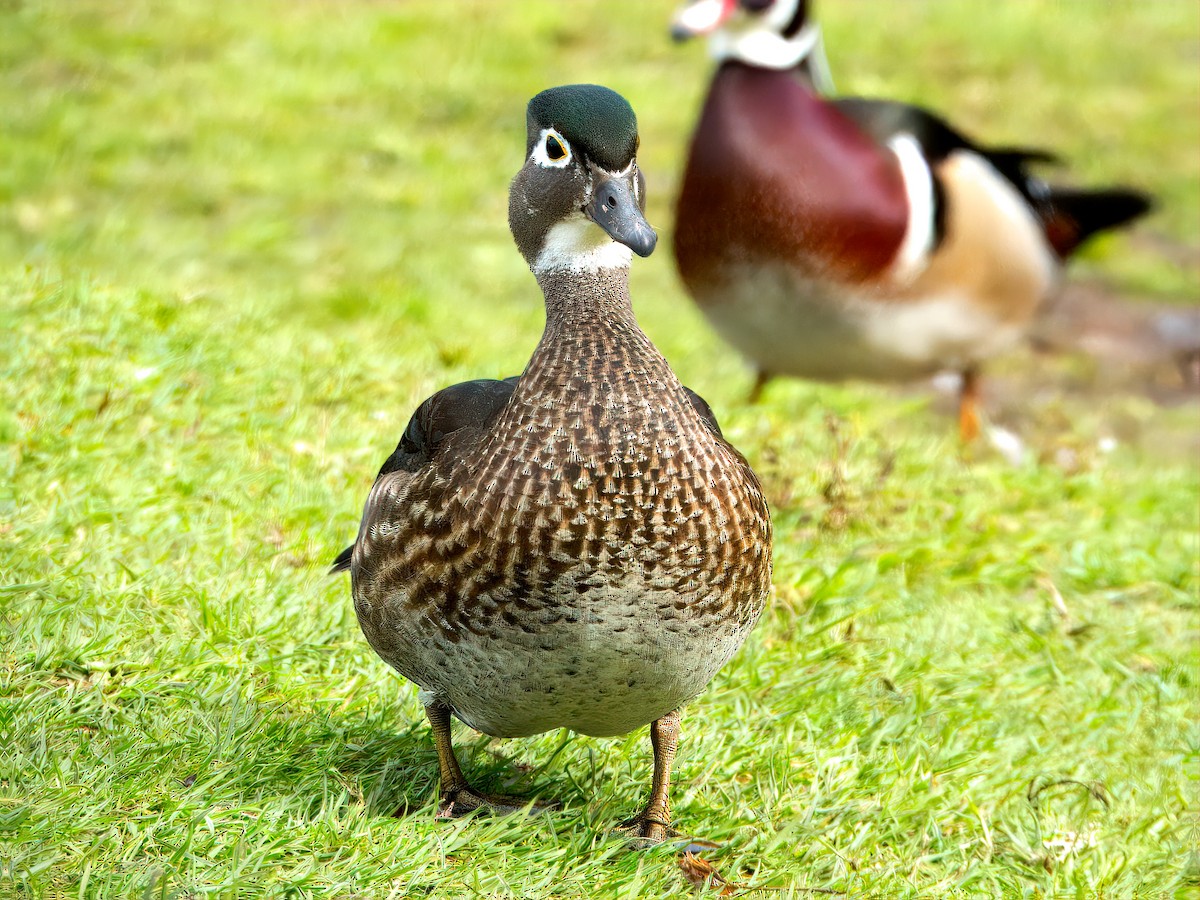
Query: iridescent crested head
{"points": [[597, 121], [578, 202]]}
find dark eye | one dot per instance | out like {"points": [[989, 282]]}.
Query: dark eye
{"points": [[554, 148]]}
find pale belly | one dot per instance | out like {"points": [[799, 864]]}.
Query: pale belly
{"points": [[617, 658], [788, 326]]}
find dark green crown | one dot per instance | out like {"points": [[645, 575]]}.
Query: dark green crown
{"points": [[595, 120]]}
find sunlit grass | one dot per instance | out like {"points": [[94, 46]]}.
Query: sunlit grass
{"points": [[240, 242]]}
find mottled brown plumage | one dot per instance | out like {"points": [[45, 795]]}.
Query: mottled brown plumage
{"points": [[580, 549]]}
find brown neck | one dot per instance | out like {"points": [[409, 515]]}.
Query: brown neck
{"points": [[584, 300], [595, 381], [592, 343]]}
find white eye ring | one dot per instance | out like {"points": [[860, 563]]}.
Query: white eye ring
{"points": [[545, 143]]}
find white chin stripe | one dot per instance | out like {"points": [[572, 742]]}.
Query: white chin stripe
{"points": [[913, 254], [764, 47], [580, 245]]}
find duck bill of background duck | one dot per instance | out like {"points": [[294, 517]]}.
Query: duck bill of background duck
{"points": [[615, 207], [701, 17]]}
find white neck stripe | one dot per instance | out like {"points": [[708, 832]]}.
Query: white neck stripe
{"points": [[765, 47]]}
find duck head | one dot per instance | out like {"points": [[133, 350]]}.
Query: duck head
{"points": [[782, 17], [773, 34], [578, 201]]}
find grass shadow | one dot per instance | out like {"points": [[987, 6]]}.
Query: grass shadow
{"points": [[349, 760]]}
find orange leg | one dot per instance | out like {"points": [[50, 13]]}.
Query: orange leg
{"points": [[968, 406], [760, 381]]}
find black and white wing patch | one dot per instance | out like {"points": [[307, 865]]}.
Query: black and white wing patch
{"points": [[1069, 216], [885, 119]]}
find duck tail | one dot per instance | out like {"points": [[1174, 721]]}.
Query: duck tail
{"points": [[342, 563], [1070, 216]]}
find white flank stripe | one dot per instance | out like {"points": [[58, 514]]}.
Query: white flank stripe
{"points": [[913, 254]]}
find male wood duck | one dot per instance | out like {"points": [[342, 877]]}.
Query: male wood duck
{"points": [[857, 238], [575, 547]]}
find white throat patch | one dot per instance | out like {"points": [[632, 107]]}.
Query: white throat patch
{"points": [[578, 244], [763, 46]]}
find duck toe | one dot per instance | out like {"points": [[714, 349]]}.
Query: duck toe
{"points": [[644, 831], [463, 801]]}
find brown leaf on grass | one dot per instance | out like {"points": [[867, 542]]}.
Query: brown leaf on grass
{"points": [[274, 536], [700, 873]]}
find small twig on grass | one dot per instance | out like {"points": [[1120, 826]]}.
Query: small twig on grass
{"points": [[1056, 597], [837, 511], [1095, 788], [1070, 627]]}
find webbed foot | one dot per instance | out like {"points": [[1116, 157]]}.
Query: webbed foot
{"points": [[464, 800], [644, 831], [458, 798]]}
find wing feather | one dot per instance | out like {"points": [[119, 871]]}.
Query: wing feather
{"points": [[469, 405]]}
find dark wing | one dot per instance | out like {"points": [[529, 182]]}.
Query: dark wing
{"points": [[341, 562], [470, 404], [1069, 216], [884, 119], [704, 410]]}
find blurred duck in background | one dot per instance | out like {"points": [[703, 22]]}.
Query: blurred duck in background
{"points": [[860, 238]]}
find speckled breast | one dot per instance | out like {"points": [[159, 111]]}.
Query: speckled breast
{"points": [[590, 561]]}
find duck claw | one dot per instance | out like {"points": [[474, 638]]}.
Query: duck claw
{"points": [[643, 832]]}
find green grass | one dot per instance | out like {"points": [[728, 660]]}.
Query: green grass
{"points": [[239, 242]]}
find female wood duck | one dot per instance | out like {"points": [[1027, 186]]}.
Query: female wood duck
{"points": [[858, 238], [575, 547]]}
